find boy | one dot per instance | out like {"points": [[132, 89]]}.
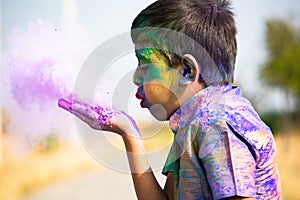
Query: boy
{"points": [[221, 149]]}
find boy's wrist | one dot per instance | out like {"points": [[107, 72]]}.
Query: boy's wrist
{"points": [[131, 135], [133, 142]]}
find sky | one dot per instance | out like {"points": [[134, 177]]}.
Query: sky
{"points": [[106, 19]]}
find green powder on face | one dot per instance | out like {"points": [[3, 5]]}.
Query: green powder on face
{"points": [[152, 55], [154, 72], [152, 58], [145, 54]]}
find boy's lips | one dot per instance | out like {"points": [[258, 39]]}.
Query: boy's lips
{"points": [[143, 104], [139, 96], [143, 99]]}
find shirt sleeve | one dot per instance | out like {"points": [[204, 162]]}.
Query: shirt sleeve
{"points": [[171, 164], [228, 162]]}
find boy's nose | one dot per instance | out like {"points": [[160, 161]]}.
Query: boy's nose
{"points": [[138, 77]]}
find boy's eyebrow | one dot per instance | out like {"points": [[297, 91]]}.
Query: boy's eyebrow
{"points": [[145, 52]]}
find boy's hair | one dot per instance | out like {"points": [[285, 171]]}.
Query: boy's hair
{"points": [[209, 22]]}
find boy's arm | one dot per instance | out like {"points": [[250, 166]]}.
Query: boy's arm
{"points": [[228, 162], [169, 186], [145, 183]]}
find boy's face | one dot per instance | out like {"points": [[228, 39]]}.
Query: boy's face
{"points": [[158, 83]]}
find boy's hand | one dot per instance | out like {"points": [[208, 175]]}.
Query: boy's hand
{"points": [[100, 118]]}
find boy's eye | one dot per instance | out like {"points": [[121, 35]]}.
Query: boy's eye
{"points": [[143, 65]]}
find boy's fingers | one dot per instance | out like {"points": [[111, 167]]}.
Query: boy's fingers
{"points": [[80, 106], [82, 117], [85, 110], [64, 104], [92, 122]]}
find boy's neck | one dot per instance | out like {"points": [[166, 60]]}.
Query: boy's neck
{"points": [[190, 91]]}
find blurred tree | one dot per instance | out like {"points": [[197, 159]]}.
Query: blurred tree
{"points": [[282, 68]]}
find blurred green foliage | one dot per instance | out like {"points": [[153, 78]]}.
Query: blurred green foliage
{"points": [[274, 120], [282, 68]]}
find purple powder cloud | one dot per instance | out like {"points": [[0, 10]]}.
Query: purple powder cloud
{"points": [[37, 86], [40, 65], [42, 62]]}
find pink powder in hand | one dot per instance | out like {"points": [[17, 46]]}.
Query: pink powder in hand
{"points": [[105, 114]]}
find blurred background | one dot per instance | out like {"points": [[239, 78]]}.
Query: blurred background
{"points": [[44, 44]]}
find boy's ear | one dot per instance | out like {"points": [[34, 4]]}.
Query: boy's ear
{"points": [[190, 70]]}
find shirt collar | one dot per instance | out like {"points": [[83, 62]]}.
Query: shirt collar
{"points": [[187, 112]]}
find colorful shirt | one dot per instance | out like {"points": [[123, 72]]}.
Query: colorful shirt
{"points": [[222, 148]]}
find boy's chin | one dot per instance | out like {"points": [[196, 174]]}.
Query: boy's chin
{"points": [[159, 112]]}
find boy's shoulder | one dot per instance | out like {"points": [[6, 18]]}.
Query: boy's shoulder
{"points": [[222, 108], [213, 103]]}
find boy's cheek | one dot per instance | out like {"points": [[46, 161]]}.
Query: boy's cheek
{"points": [[156, 93], [154, 73]]}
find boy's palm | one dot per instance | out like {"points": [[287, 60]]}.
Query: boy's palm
{"points": [[100, 118]]}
